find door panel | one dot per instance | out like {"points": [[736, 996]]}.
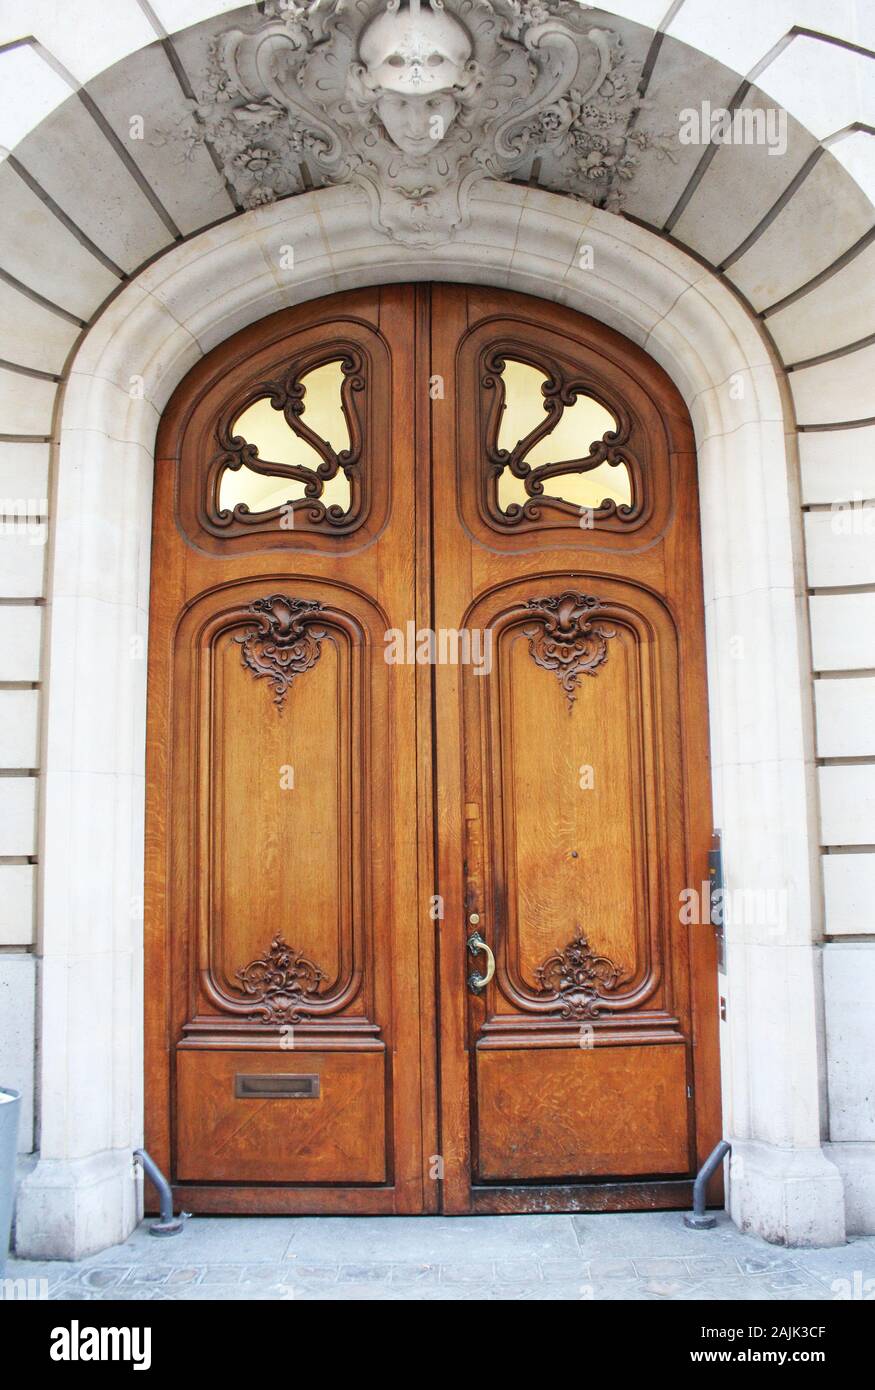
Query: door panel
{"points": [[287, 777], [282, 941], [581, 1114], [336, 1135], [576, 833], [340, 840], [573, 774]]}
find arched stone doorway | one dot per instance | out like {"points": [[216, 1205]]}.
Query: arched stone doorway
{"points": [[123, 375]]}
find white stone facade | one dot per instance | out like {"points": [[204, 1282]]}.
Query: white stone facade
{"points": [[750, 280]]}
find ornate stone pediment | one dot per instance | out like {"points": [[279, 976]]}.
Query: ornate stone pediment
{"points": [[417, 100]]}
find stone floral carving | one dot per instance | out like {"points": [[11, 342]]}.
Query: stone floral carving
{"points": [[417, 100], [284, 643], [568, 639]]}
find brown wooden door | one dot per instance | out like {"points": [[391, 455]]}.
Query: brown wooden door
{"points": [[283, 980], [338, 801], [573, 778]]}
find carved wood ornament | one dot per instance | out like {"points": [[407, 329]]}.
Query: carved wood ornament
{"points": [[280, 982], [288, 395], [568, 639], [284, 643], [560, 390], [578, 979]]}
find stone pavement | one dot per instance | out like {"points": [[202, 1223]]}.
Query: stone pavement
{"points": [[650, 1256]]}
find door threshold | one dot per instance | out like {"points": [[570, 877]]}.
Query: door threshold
{"points": [[662, 1195]]}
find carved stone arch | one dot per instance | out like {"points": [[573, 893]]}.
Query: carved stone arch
{"points": [[180, 306]]}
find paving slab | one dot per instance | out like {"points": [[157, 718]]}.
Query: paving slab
{"points": [[433, 1238], [623, 1257]]}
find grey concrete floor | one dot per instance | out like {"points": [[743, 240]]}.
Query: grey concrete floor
{"points": [[649, 1256]]}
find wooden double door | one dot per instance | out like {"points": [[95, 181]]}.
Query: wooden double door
{"points": [[427, 768]]}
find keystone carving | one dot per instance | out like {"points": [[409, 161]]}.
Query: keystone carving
{"points": [[416, 101]]}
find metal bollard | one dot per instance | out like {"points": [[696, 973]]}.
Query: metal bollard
{"points": [[167, 1224], [697, 1219]]}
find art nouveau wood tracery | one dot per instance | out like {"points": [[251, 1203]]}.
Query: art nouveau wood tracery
{"points": [[608, 448], [296, 959], [267, 418], [579, 459], [301, 485]]}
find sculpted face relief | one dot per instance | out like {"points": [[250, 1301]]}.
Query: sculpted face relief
{"points": [[418, 101], [417, 124], [416, 65]]}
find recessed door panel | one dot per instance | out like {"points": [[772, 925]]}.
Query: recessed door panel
{"points": [[259, 760], [284, 772], [328, 1127], [575, 838], [581, 1113]]}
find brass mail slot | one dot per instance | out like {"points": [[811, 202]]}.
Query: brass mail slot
{"points": [[255, 1086]]}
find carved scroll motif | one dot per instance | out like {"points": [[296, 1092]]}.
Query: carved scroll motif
{"points": [[417, 103], [280, 982], [284, 643], [578, 979], [568, 638]]}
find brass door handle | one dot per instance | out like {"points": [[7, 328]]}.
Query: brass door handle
{"points": [[476, 982]]}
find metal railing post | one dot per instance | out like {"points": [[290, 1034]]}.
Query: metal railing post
{"points": [[698, 1219], [167, 1224]]}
